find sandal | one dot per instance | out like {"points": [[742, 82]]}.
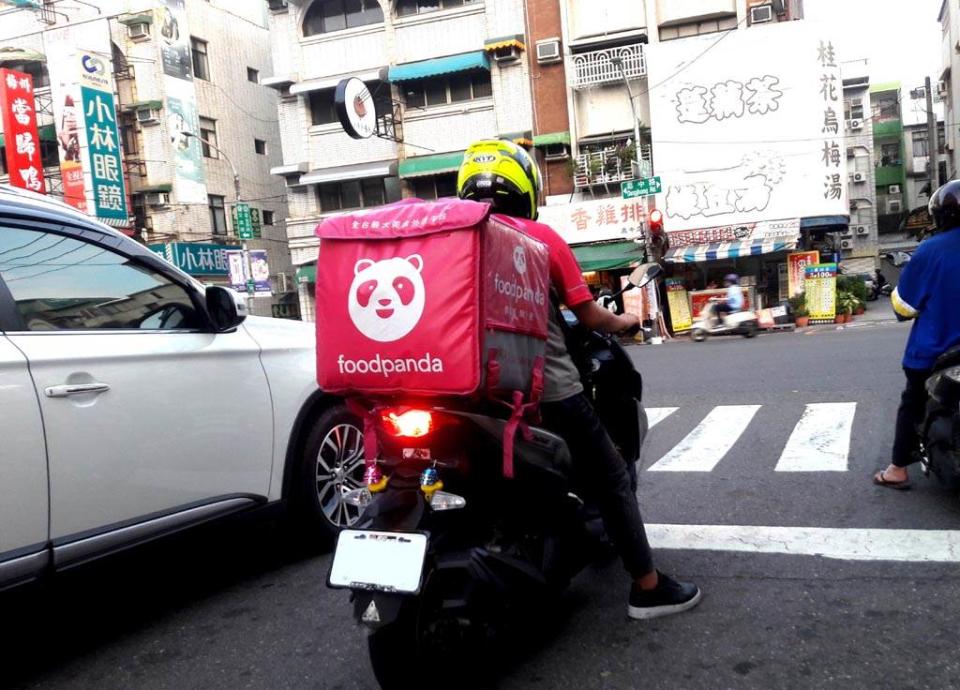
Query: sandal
{"points": [[880, 480]]}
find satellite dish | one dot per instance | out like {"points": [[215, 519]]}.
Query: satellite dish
{"points": [[355, 108]]}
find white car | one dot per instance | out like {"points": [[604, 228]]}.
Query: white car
{"points": [[134, 402]]}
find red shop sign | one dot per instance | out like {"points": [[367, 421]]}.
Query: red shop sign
{"points": [[20, 130]]}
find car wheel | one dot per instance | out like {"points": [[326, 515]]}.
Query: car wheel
{"points": [[332, 464]]}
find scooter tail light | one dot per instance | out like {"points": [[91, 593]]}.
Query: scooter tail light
{"points": [[408, 423]]}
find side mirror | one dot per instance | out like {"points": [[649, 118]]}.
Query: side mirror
{"points": [[227, 308], [644, 273]]}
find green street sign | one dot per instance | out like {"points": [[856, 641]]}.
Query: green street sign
{"points": [[251, 286], [243, 221], [645, 187]]}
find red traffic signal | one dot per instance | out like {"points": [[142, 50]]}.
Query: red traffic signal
{"points": [[656, 221]]}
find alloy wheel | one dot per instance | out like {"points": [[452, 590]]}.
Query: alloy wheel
{"points": [[340, 470]]}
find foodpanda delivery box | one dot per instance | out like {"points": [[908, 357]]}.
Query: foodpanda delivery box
{"points": [[430, 298]]}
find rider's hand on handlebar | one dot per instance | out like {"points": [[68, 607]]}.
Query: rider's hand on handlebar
{"points": [[630, 324]]}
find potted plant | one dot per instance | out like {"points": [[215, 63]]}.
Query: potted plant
{"points": [[596, 168], [860, 307], [798, 305]]}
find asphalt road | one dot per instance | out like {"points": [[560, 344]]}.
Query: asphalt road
{"points": [[238, 606]]}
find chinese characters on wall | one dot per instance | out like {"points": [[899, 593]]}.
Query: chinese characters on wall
{"points": [[829, 91], [103, 142]]}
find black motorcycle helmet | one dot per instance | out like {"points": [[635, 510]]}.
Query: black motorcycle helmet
{"points": [[944, 206]]}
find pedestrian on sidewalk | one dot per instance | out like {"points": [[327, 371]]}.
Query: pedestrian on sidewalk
{"points": [[929, 292]]}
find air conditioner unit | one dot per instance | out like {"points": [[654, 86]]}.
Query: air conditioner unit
{"points": [[760, 14], [854, 205], [846, 244], [856, 123], [894, 206], [556, 152], [942, 88], [861, 229], [548, 51], [138, 31], [156, 199], [148, 116], [859, 176], [846, 235], [893, 189], [851, 152], [506, 54], [277, 5]]}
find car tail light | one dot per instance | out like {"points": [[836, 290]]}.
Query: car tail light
{"points": [[408, 423]]}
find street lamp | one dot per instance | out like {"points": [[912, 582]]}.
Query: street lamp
{"points": [[617, 62], [236, 188]]}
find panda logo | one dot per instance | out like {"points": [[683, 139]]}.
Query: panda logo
{"points": [[519, 259], [387, 297]]}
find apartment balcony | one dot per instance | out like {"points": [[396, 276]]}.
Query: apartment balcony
{"points": [[597, 66], [609, 166], [890, 174]]}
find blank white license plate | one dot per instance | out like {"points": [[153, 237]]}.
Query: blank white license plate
{"points": [[385, 561]]}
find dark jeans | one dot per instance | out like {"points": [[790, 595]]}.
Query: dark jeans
{"points": [[721, 308], [602, 473], [912, 405]]}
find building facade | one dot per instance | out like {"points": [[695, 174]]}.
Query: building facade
{"points": [[189, 109], [948, 85], [919, 180], [890, 179], [442, 73]]}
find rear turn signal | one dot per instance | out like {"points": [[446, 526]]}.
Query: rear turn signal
{"points": [[408, 424]]}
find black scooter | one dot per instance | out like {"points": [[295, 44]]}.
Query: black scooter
{"points": [[448, 555], [940, 429]]}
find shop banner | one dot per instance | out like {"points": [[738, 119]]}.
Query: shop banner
{"points": [[258, 265], [701, 298], [821, 288], [678, 301], [65, 95], [741, 141], [786, 230], [797, 263], [596, 221], [182, 118], [195, 259], [103, 142], [20, 131]]}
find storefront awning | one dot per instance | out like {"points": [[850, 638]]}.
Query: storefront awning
{"points": [[515, 41], [431, 165], [728, 250], [445, 65], [358, 171], [46, 133], [14, 54], [607, 256], [307, 273], [552, 138], [308, 85]]}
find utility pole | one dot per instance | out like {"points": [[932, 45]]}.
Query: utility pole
{"points": [[933, 140], [248, 269]]}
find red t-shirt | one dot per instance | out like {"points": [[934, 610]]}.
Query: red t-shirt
{"points": [[565, 273]]}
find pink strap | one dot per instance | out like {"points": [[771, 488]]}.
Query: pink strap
{"points": [[368, 415], [493, 371]]}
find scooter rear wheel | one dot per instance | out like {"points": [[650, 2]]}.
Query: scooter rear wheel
{"points": [[698, 335], [750, 329]]}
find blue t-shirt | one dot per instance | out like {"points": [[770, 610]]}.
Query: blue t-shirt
{"points": [[929, 287], [735, 297]]}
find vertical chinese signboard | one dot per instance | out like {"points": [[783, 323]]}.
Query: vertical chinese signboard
{"points": [[103, 141], [821, 288], [678, 301], [181, 105], [67, 114], [797, 263], [20, 131]]}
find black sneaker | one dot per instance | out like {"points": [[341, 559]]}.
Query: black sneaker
{"points": [[668, 597]]}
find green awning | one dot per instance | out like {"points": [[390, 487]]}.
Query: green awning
{"points": [[431, 165], [163, 187], [307, 273], [552, 138], [445, 65], [46, 133], [141, 18], [144, 105], [607, 256], [14, 54]]}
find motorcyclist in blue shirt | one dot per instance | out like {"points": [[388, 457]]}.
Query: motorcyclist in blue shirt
{"points": [[929, 292], [734, 298]]}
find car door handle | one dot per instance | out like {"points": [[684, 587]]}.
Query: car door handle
{"points": [[75, 389]]}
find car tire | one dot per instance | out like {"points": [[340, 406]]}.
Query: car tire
{"points": [[331, 463]]}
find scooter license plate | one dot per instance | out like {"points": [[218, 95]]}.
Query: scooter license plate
{"points": [[381, 561]]}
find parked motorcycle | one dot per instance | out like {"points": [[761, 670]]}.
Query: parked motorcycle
{"points": [[940, 429], [449, 555], [742, 322]]}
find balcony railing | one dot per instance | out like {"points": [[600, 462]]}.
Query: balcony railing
{"points": [[608, 166], [597, 66]]}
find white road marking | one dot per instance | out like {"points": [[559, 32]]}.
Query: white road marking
{"points": [[655, 415], [820, 441], [705, 446], [851, 544]]}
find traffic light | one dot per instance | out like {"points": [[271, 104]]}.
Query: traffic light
{"points": [[657, 236]]}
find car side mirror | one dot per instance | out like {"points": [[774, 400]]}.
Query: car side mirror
{"points": [[227, 308]]}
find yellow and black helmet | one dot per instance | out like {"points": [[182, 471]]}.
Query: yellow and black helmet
{"points": [[502, 172]]}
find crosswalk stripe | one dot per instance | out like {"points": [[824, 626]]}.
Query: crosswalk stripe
{"points": [[705, 446], [655, 415], [820, 442]]}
